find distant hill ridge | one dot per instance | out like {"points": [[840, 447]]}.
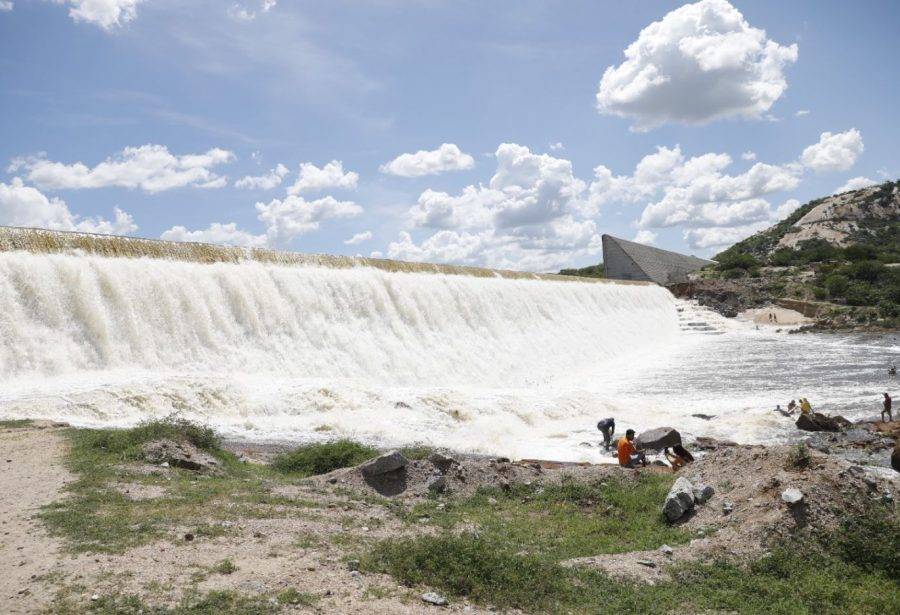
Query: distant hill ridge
{"points": [[868, 217]]}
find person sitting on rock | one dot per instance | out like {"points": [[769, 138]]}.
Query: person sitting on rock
{"points": [[678, 457], [629, 456], [607, 427], [887, 409], [792, 406]]}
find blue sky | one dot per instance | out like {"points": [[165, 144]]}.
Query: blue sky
{"points": [[141, 116]]}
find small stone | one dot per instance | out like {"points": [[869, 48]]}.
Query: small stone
{"points": [[492, 501], [438, 485], [727, 507], [434, 598], [703, 493], [667, 550], [390, 462], [792, 496], [646, 562], [332, 480], [95, 598], [164, 464], [353, 565], [188, 537]]}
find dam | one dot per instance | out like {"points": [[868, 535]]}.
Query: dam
{"points": [[99, 330]]}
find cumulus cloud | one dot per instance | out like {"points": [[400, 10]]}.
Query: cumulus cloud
{"points": [[286, 218], [448, 157], [227, 234], [22, 205], [834, 152], [556, 147], [6, 6], [699, 63], [244, 12], [263, 182], [715, 237], [108, 14], [359, 238], [312, 178], [149, 167], [748, 156], [855, 184], [646, 237]]}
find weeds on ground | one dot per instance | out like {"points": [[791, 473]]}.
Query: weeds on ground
{"points": [[852, 571], [799, 457], [570, 519], [16, 423], [296, 598], [212, 603], [323, 457], [417, 451], [226, 566]]}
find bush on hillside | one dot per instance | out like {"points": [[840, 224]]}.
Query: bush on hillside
{"points": [[172, 427]]}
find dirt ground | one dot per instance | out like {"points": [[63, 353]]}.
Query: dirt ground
{"points": [[308, 548]]}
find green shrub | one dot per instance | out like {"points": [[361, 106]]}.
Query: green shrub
{"points": [[173, 427], [868, 271], [860, 252], [738, 261], [836, 285], [323, 457], [799, 457], [871, 540]]}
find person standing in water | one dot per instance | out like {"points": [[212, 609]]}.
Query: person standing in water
{"points": [[607, 427]]}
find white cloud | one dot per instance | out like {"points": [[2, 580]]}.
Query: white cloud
{"points": [[748, 156], [646, 237], [786, 209], [286, 218], [855, 184], [700, 62], [22, 205], [263, 182], [834, 152], [241, 12], [6, 6], [227, 234], [359, 238], [557, 146], [107, 14], [332, 175], [448, 157], [802, 112], [148, 167]]}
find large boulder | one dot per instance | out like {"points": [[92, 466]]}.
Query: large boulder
{"points": [[895, 458], [679, 500], [179, 455], [658, 439], [816, 421], [385, 464]]}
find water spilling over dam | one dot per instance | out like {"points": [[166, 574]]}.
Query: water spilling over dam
{"points": [[110, 331]]}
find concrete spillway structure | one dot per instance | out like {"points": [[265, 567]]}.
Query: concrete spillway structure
{"points": [[627, 260]]}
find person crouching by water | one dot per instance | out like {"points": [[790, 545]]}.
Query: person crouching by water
{"points": [[629, 456], [887, 409], [607, 427], [678, 457], [792, 406], [805, 406]]}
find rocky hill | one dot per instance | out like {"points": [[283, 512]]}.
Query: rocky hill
{"points": [[836, 258]]}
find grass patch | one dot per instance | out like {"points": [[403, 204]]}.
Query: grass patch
{"points": [[96, 517], [571, 519], [226, 566], [799, 457], [16, 423], [417, 452], [294, 597], [212, 603], [323, 457], [513, 557]]}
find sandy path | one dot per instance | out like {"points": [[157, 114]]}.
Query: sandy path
{"points": [[31, 475]]}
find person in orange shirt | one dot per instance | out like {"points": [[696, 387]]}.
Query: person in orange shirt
{"points": [[629, 456]]}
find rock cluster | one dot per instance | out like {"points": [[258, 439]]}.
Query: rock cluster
{"points": [[169, 453], [682, 498], [815, 421]]}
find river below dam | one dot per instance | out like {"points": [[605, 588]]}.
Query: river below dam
{"points": [[514, 367]]}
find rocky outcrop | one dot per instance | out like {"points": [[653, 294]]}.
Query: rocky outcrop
{"points": [[679, 500], [179, 455], [384, 464], [657, 439], [815, 421]]}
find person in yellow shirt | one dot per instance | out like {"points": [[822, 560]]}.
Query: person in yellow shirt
{"points": [[629, 456], [805, 406]]}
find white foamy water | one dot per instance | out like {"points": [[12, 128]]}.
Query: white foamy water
{"points": [[507, 366]]}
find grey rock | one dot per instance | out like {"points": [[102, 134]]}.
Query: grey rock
{"points": [[390, 462], [792, 496], [703, 493], [646, 562], [166, 453], [434, 598], [657, 439], [667, 550], [442, 462], [679, 500], [816, 421], [727, 507]]}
